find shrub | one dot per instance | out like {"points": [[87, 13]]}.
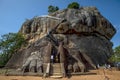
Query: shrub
{"points": [[52, 9], [73, 5]]}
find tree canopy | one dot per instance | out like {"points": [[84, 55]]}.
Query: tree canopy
{"points": [[52, 9], [116, 56], [73, 5], [9, 44]]}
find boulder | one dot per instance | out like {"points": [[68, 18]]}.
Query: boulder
{"points": [[84, 30]]}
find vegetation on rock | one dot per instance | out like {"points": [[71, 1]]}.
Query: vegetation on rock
{"points": [[52, 9], [74, 5], [9, 44]]}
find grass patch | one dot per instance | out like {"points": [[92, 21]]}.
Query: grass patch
{"points": [[3, 71]]}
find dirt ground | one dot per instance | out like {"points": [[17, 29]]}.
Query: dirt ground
{"points": [[101, 74]]}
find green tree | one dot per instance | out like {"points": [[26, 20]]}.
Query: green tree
{"points": [[116, 55], [10, 44], [73, 5], [52, 9]]}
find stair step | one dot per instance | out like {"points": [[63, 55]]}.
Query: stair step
{"points": [[56, 65], [57, 68], [56, 73], [56, 76]]}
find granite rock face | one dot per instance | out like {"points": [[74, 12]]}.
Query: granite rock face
{"points": [[84, 30], [83, 20]]}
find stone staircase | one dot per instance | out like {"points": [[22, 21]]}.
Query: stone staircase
{"points": [[55, 70]]}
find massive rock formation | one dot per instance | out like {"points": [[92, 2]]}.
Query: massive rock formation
{"points": [[85, 32]]}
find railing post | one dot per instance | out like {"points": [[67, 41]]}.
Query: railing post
{"points": [[46, 74]]}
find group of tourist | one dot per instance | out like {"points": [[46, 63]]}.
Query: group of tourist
{"points": [[106, 66]]}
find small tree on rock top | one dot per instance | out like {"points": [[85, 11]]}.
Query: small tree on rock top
{"points": [[52, 9], [73, 5]]}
